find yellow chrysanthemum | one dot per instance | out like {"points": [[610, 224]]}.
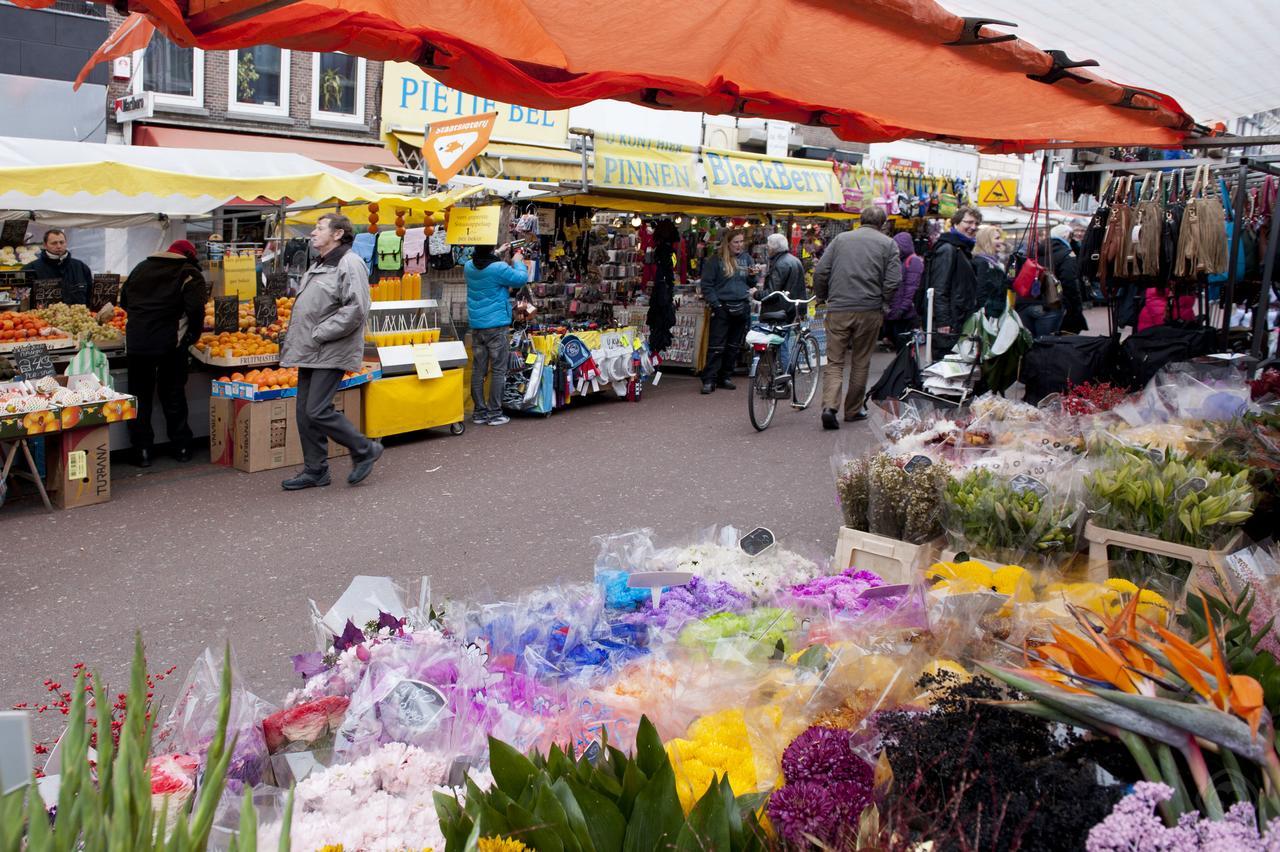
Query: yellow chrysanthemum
{"points": [[500, 844], [332, 847], [717, 744], [961, 576], [1121, 585]]}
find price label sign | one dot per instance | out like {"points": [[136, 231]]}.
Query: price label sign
{"points": [[31, 361], [226, 314], [105, 290], [45, 292], [276, 285], [264, 311], [426, 362]]}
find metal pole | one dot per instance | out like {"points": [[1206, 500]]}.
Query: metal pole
{"points": [[1242, 178], [422, 152], [1261, 331]]}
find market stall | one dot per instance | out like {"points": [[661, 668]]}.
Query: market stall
{"points": [[143, 196]]}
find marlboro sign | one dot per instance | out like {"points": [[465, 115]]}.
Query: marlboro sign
{"points": [[452, 144]]}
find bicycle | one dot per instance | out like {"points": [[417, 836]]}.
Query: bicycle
{"points": [[772, 380]]}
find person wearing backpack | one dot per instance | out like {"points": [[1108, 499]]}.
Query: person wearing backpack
{"points": [[950, 272], [902, 316]]}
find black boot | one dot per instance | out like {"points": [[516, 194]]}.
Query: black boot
{"points": [[829, 420], [726, 384], [708, 387], [141, 457]]}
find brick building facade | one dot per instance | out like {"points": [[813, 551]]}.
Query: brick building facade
{"points": [[210, 92]]}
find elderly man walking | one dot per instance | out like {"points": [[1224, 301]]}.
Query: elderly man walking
{"points": [[325, 339], [856, 277]]}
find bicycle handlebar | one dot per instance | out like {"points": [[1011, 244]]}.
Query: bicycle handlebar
{"points": [[788, 298]]}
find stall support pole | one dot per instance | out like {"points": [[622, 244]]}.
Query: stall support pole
{"points": [[1228, 296], [426, 173], [1261, 331]]}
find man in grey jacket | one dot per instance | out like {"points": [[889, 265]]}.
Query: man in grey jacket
{"points": [[856, 277], [325, 338]]}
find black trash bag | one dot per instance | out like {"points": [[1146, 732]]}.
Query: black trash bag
{"points": [[1143, 354], [902, 374], [1054, 362]]}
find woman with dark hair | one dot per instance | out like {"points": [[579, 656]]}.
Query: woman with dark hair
{"points": [[726, 286], [490, 280]]}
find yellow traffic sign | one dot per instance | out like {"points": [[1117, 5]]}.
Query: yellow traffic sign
{"points": [[994, 193]]}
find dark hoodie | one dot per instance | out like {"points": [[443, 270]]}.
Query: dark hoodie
{"points": [[164, 296], [954, 282], [903, 305], [74, 275]]}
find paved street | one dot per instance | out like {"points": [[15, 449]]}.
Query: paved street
{"points": [[191, 554]]}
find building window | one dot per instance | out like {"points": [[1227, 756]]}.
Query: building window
{"points": [[258, 80], [175, 74], [337, 88]]}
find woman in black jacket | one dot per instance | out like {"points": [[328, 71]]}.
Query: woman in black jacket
{"points": [[988, 263], [1066, 265], [726, 286]]}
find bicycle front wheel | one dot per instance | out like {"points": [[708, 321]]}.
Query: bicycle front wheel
{"points": [[760, 402], [808, 373]]}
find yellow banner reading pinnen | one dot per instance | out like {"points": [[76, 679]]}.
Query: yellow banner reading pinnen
{"points": [[647, 165]]}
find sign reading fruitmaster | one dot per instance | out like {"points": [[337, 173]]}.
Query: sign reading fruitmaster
{"points": [[451, 145]]}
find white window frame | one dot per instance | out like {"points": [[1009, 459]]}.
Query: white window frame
{"points": [[196, 99], [233, 103], [340, 117]]}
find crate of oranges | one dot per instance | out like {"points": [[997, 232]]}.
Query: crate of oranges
{"points": [[235, 349], [260, 385], [17, 328]]}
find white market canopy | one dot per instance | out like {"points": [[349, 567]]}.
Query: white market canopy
{"points": [[77, 184], [1218, 59]]}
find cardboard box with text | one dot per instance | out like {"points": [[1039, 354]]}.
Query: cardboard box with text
{"points": [[80, 467]]}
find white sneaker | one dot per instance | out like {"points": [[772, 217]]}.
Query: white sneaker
{"points": [[500, 420]]}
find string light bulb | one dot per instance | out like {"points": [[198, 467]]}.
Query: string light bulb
{"points": [[635, 221]]}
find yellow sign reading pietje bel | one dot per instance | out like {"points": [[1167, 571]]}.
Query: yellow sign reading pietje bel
{"points": [[474, 226]]}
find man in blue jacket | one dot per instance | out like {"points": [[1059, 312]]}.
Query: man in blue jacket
{"points": [[490, 280]]}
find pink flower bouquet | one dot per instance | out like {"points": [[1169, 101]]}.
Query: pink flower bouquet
{"points": [[304, 727]]}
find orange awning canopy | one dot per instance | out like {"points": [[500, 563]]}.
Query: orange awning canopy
{"points": [[345, 156], [872, 70]]}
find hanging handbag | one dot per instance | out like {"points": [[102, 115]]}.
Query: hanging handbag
{"points": [[1050, 286], [947, 203], [853, 195], [1027, 281], [524, 309]]}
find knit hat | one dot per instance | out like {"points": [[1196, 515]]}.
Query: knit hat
{"points": [[183, 247], [906, 245], [1061, 232]]}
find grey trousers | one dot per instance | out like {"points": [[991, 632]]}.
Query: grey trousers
{"points": [[490, 350], [318, 420]]}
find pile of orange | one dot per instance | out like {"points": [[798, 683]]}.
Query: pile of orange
{"points": [[286, 377], [119, 319], [247, 323], [240, 344], [18, 327]]}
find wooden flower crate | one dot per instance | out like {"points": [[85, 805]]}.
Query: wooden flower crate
{"points": [[1101, 538], [892, 559]]}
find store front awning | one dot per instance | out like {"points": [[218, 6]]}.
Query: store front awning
{"points": [[878, 71], [118, 185], [603, 199], [346, 156]]}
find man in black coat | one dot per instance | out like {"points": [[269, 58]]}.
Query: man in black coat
{"points": [[165, 296], [55, 262], [950, 272]]}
